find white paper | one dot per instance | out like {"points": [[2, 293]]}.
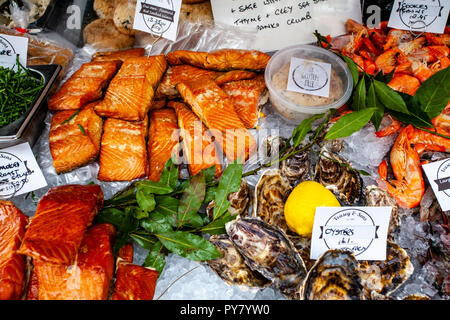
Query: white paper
{"points": [[10, 47], [19, 171], [281, 23], [420, 15], [362, 230], [309, 77], [158, 17], [438, 174]]}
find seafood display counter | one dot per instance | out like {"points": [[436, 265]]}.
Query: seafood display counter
{"points": [[188, 171]]}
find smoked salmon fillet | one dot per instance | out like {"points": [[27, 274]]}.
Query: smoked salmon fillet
{"points": [[84, 86], [163, 140], [88, 278], [61, 219], [216, 109], [75, 138], [234, 75], [12, 265], [134, 282], [131, 92], [123, 154], [221, 60], [126, 252], [199, 149], [118, 55], [248, 97], [33, 287]]}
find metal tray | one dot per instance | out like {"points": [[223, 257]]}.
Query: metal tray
{"points": [[29, 126]]}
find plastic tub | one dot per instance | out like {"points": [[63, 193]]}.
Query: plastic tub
{"points": [[294, 106]]}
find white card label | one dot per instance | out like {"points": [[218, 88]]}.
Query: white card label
{"points": [[362, 230], [158, 17], [420, 15], [19, 171], [281, 23], [10, 47], [438, 174], [309, 77]]}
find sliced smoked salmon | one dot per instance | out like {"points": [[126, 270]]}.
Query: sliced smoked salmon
{"points": [[216, 109], [234, 75], [75, 138], [163, 139], [88, 278], [12, 265], [84, 86], [118, 55], [134, 282], [199, 149], [123, 154], [131, 92], [248, 97], [60, 221], [33, 287], [126, 252]]}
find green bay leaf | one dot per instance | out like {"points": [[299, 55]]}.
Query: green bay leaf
{"points": [[350, 123], [391, 99], [434, 93]]}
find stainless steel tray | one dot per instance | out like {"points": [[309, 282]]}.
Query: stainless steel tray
{"points": [[29, 126]]}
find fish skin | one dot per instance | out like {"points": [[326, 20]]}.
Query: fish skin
{"points": [[123, 154], [134, 282], [131, 92], [89, 277], [84, 86], [162, 139], [193, 147], [216, 110], [12, 265], [61, 219]]}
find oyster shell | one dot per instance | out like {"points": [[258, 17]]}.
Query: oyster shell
{"points": [[239, 201], [384, 277], [430, 210], [267, 250], [334, 145], [335, 174], [296, 168], [303, 247], [231, 267], [270, 195], [377, 197], [417, 296], [334, 276]]}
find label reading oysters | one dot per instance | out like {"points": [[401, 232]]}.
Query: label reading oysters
{"points": [[438, 174], [361, 230], [309, 77]]}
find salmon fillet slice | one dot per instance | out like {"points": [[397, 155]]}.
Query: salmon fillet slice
{"points": [[134, 282], [123, 154], [33, 287], [75, 138], [221, 60], [126, 252], [234, 75], [88, 278], [163, 140], [216, 109], [199, 149], [121, 55], [61, 219], [131, 92], [12, 265], [248, 97], [84, 86]]}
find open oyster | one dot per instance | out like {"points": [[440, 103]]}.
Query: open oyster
{"points": [[384, 277], [296, 168], [267, 250], [239, 201], [377, 197], [334, 276], [231, 267], [270, 195], [336, 174]]}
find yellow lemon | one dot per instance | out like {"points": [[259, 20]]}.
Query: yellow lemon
{"points": [[300, 206]]}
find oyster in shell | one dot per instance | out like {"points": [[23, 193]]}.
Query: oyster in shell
{"points": [[231, 267], [239, 201], [296, 168], [270, 195], [384, 277], [266, 249], [271, 147], [334, 145], [377, 197], [335, 174], [334, 276], [417, 296], [303, 247]]}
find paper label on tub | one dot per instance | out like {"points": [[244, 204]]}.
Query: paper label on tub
{"points": [[19, 171], [10, 47], [420, 15], [438, 174], [158, 17], [362, 230], [309, 77]]}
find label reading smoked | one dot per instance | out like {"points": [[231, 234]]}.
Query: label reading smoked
{"points": [[10, 47], [438, 174], [420, 15], [309, 77], [361, 230]]}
